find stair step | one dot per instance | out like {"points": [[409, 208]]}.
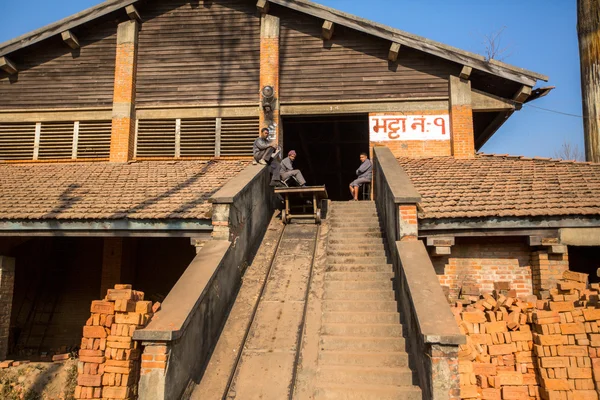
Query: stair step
{"points": [[357, 252], [334, 235], [399, 376], [383, 295], [359, 276], [367, 392], [361, 317], [393, 359], [363, 330], [366, 242], [356, 260], [359, 268], [360, 306], [344, 229], [362, 344]]}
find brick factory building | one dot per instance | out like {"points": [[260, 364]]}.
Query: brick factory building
{"points": [[120, 123]]}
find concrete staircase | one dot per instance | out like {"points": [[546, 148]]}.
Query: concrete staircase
{"points": [[362, 350]]}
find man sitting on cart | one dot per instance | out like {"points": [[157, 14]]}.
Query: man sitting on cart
{"points": [[365, 175], [287, 169]]}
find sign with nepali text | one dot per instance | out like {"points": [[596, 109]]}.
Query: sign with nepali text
{"points": [[409, 127]]}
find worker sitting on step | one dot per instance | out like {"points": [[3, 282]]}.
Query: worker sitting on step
{"points": [[365, 175], [287, 169]]}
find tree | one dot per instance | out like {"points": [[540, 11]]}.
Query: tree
{"points": [[494, 50], [588, 31], [569, 151]]}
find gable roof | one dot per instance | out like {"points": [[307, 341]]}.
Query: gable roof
{"points": [[316, 10], [504, 186], [155, 190]]}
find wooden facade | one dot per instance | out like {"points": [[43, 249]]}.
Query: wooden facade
{"points": [[198, 70], [192, 53], [52, 75], [352, 65]]}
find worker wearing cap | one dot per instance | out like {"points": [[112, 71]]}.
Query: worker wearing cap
{"points": [[287, 169]]}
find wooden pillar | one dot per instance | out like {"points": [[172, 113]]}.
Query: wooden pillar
{"points": [[461, 118], [588, 31], [7, 284], [269, 71], [123, 115], [112, 263]]}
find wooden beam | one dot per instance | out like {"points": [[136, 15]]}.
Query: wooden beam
{"points": [[440, 251], [465, 73], [8, 66], [486, 102], [328, 27], [263, 6], [70, 39], [133, 13], [394, 51], [522, 94], [440, 241]]}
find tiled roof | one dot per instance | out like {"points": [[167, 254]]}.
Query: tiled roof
{"points": [[141, 190], [504, 186]]}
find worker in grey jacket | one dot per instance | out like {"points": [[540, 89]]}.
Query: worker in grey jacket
{"points": [[365, 175], [287, 169], [264, 149]]}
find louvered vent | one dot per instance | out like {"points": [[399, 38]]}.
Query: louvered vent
{"points": [[238, 135], [94, 139], [16, 141], [198, 137], [156, 138], [56, 140]]}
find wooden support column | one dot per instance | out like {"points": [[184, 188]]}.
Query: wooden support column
{"points": [[269, 72], [7, 285], [461, 118], [123, 114], [8, 66]]}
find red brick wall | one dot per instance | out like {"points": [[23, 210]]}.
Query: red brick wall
{"points": [[409, 229], [269, 74], [123, 123], [479, 263], [461, 123], [547, 269]]}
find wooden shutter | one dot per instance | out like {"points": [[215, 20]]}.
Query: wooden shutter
{"points": [[198, 137], [93, 139], [156, 138], [238, 135], [56, 140], [17, 141]]}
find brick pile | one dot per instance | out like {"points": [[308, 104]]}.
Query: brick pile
{"points": [[497, 362], [109, 359], [567, 340]]}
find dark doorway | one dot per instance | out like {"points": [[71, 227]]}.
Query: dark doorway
{"points": [[328, 149], [585, 259]]}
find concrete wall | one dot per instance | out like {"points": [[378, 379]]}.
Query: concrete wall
{"points": [[192, 316], [433, 335]]}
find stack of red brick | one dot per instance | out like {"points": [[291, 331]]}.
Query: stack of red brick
{"points": [[567, 340], [109, 359], [497, 362]]}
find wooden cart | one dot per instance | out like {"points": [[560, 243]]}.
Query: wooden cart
{"points": [[302, 202]]}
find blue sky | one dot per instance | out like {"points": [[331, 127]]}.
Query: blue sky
{"points": [[541, 36]]}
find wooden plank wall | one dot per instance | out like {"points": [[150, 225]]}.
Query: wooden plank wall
{"points": [[199, 52], [52, 75], [352, 65]]}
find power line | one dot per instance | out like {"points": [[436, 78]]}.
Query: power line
{"points": [[557, 112]]}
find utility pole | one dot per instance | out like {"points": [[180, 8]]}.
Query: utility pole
{"points": [[588, 31]]}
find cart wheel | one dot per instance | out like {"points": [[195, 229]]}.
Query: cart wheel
{"points": [[284, 216], [318, 216]]}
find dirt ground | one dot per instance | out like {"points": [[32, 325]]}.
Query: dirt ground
{"points": [[39, 381]]}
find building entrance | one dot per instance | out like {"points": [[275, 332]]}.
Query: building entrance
{"points": [[328, 149]]}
